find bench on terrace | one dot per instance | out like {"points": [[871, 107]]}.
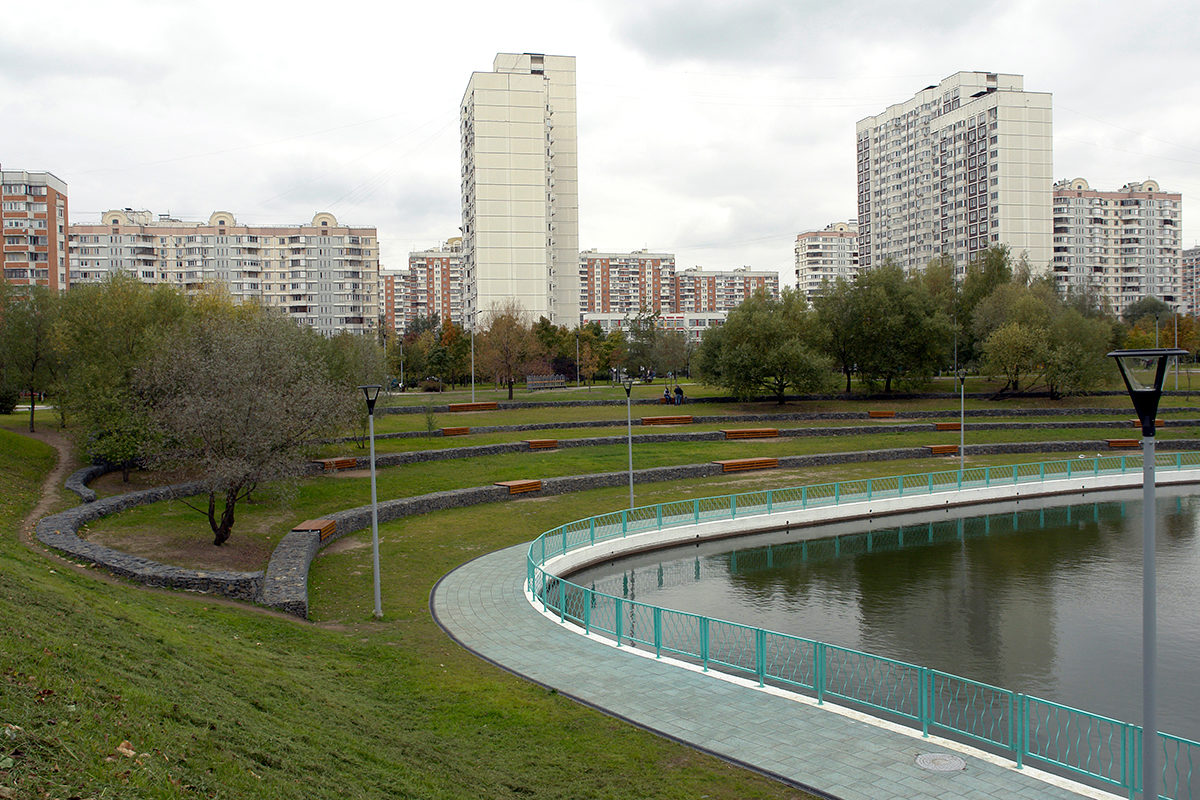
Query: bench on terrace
{"points": [[948, 426], [325, 527], [455, 431], [517, 487], [750, 433], [482, 405], [334, 464], [542, 444], [1124, 443], [679, 419], [1137, 423], [881, 414], [942, 449], [742, 464]]}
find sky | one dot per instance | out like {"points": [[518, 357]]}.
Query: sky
{"points": [[714, 130]]}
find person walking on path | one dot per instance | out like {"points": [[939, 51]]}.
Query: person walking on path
{"points": [[678, 395]]}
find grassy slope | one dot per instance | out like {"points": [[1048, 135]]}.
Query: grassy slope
{"points": [[221, 701]]}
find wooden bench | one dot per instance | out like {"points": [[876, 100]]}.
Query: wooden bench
{"points": [[948, 426], [1137, 423], [684, 419], [334, 464], [1124, 442], [750, 433], [542, 444], [482, 405], [741, 464], [455, 431], [942, 449], [517, 487], [325, 527], [881, 414]]}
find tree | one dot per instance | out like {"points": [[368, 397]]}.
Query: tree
{"points": [[1013, 350], [902, 335], [508, 345], [670, 352], [1077, 360], [238, 396], [839, 325], [31, 361], [765, 345], [641, 335], [1147, 307]]}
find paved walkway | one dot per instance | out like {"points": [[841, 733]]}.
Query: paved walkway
{"points": [[837, 755]]}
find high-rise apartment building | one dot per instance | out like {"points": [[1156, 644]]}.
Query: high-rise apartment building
{"points": [[1122, 245], [959, 167], [625, 283], [520, 197], [322, 274], [1190, 282], [721, 290], [431, 285], [33, 206], [826, 255]]}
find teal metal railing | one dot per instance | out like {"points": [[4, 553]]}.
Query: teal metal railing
{"points": [[1104, 751]]}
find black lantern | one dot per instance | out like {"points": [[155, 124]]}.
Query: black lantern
{"points": [[372, 394], [1143, 371]]}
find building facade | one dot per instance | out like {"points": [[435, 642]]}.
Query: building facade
{"points": [[959, 167], [826, 255], [520, 196], [625, 283], [323, 274], [1190, 282], [692, 324], [34, 209], [720, 290], [432, 284], [1121, 246]]}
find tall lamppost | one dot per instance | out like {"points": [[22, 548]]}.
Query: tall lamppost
{"points": [[372, 394], [1143, 372], [577, 360], [962, 422], [628, 384], [472, 356]]}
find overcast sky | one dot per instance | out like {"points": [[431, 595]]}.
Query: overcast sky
{"points": [[716, 130]]}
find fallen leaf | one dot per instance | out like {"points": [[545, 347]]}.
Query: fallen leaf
{"points": [[125, 748]]}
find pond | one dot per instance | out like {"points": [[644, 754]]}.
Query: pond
{"points": [[1033, 597]]}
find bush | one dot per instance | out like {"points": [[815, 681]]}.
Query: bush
{"points": [[430, 386], [9, 397]]}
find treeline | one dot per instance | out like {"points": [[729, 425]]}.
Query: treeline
{"points": [[893, 331]]}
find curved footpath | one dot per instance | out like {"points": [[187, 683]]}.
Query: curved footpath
{"points": [[829, 751]]}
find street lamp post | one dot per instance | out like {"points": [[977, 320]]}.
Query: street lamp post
{"points": [[962, 422], [1143, 372], [577, 359], [372, 394], [472, 357], [628, 384]]}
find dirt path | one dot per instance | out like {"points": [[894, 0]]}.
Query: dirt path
{"points": [[52, 489]]}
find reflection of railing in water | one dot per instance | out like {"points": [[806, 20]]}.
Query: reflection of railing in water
{"points": [[751, 560], [1104, 751]]}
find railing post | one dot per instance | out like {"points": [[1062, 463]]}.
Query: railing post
{"points": [[1016, 474], [696, 509], [618, 620], [562, 601], [837, 493], [900, 483], [592, 528], [987, 476], [1042, 472], [1096, 471], [1068, 469], [868, 488], [804, 497], [660, 516], [624, 523], [1022, 729], [704, 642], [733, 506], [543, 538], [657, 632], [770, 499], [931, 482], [760, 655], [819, 671], [924, 700], [589, 597]]}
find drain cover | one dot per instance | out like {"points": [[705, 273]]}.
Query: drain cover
{"points": [[940, 762]]}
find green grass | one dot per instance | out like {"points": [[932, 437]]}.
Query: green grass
{"points": [[221, 701]]}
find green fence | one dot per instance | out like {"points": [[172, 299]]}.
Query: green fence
{"points": [[1107, 752]]}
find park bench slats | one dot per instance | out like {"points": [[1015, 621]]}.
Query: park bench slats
{"points": [[517, 487], [881, 414], [325, 527], [742, 464], [1124, 443], [678, 419], [455, 431], [542, 444], [949, 426], [750, 433], [334, 464], [942, 449], [482, 405]]}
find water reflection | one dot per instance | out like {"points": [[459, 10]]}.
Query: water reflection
{"points": [[1042, 599]]}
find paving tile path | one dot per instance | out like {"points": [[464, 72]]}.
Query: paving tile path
{"points": [[837, 755]]}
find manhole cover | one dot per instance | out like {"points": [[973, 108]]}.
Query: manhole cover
{"points": [[940, 762]]}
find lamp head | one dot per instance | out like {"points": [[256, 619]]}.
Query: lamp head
{"points": [[371, 392], [1143, 372], [628, 384]]}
